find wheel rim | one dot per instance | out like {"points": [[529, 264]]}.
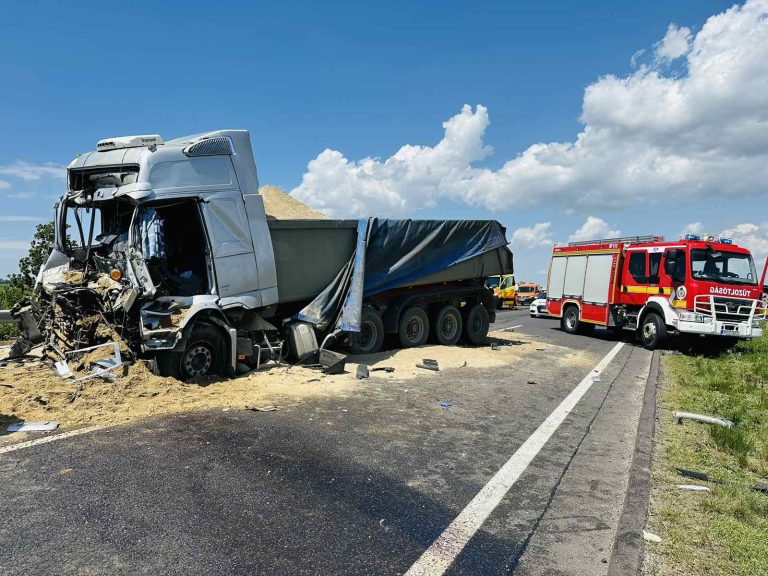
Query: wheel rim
{"points": [[414, 330], [649, 331], [449, 326], [570, 320], [369, 333], [198, 360]]}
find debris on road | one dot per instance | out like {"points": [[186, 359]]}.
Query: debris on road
{"points": [[362, 372], [445, 405], [428, 364], [387, 369], [32, 426], [680, 416], [260, 408]]}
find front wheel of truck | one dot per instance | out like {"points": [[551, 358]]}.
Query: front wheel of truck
{"points": [[653, 331], [370, 339], [202, 356]]}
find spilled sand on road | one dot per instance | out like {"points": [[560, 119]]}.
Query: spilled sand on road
{"points": [[32, 392]]}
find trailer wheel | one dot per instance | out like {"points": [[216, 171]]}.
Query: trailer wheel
{"points": [[447, 325], [370, 339], [477, 322], [653, 331], [570, 321], [414, 328], [202, 356]]}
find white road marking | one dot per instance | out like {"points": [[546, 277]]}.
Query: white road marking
{"points": [[47, 439], [443, 551], [511, 328]]}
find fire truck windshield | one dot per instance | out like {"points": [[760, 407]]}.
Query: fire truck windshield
{"points": [[721, 266]]}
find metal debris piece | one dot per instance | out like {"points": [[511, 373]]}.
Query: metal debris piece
{"points": [[62, 369], [680, 416], [693, 487], [388, 369], [428, 364], [494, 346], [445, 405], [260, 408], [532, 383], [32, 426], [362, 372]]}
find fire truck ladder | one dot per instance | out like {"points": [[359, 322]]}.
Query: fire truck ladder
{"points": [[622, 240]]}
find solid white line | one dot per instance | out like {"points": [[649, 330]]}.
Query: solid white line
{"points": [[511, 328], [443, 551], [46, 439]]}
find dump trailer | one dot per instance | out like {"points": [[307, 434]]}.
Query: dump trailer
{"points": [[168, 245]]}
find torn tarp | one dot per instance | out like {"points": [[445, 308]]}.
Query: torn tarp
{"points": [[395, 253]]}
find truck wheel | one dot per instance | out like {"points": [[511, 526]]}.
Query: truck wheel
{"points": [[203, 355], [414, 328], [653, 331], [370, 339], [570, 321], [447, 325], [476, 323]]}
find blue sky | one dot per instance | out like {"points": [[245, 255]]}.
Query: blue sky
{"points": [[365, 80]]}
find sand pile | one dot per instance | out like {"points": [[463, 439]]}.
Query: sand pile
{"points": [[282, 206], [32, 392]]}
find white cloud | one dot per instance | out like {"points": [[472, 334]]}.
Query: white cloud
{"points": [[14, 245], [28, 171], [534, 237], [752, 236], [594, 229], [693, 228], [5, 185], [650, 137], [6, 218], [675, 44]]}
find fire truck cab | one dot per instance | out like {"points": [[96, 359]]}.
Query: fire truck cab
{"points": [[701, 285]]}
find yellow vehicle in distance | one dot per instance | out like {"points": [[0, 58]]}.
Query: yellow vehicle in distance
{"points": [[504, 290]]}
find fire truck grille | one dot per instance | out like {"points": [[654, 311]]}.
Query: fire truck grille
{"points": [[726, 309]]}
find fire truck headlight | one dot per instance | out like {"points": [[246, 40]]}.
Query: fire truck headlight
{"points": [[691, 317], [681, 293]]}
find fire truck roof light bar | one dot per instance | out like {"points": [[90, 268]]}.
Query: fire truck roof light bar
{"points": [[622, 240], [708, 238]]}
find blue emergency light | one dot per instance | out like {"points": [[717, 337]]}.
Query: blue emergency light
{"points": [[692, 237]]}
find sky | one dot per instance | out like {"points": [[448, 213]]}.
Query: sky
{"points": [[562, 120]]}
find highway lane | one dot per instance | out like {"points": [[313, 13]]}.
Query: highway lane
{"points": [[358, 485]]}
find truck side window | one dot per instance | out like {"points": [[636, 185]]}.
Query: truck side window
{"points": [[637, 267], [654, 262]]}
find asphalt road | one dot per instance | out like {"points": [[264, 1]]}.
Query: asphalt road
{"points": [[362, 485]]}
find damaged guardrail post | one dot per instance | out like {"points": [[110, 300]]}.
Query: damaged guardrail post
{"points": [[680, 416]]}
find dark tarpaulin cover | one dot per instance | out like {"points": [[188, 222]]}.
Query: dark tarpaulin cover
{"points": [[395, 253]]}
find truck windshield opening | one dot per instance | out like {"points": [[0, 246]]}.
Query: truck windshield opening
{"points": [[724, 267]]}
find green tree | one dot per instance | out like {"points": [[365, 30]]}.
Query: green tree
{"points": [[29, 265]]}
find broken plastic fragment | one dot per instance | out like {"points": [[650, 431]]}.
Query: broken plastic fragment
{"points": [[32, 426]]}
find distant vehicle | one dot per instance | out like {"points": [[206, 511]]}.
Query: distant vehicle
{"points": [[527, 292], [504, 289], [538, 307], [699, 285]]}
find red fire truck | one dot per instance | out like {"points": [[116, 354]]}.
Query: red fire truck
{"points": [[697, 285]]}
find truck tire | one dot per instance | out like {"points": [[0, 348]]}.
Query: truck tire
{"points": [[370, 339], [653, 331], [477, 322], [413, 328], [570, 321], [202, 356], [447, 325]]}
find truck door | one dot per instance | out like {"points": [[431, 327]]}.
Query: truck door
{"points": [[642, 276], [232, 251]]}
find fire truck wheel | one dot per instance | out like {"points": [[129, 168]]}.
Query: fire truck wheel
{"points": [[653, 331], [447, 325], [414, 328], [570, 321], [370, 339], [477, 322]]}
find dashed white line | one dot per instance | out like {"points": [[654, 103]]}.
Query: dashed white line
{"points": [[47, 439], [443, 551]]}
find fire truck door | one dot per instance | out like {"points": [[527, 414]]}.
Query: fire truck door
{"points": [[642, 276]]}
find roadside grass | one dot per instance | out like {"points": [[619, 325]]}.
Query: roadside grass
{"points": [[724, 532], [9, 295]]}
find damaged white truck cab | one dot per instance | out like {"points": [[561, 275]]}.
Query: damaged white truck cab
{"points": [[169, 244], [177, 226]]}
